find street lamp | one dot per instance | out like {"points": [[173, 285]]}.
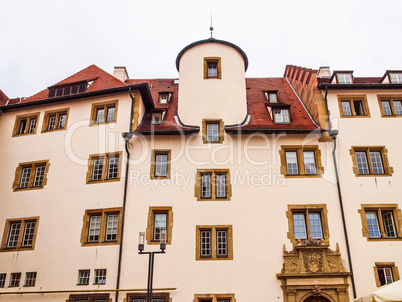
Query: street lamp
{"points": [[141, 241]]}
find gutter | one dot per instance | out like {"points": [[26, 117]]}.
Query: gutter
{"points": [[333, 134], [359, 86], [270, 130], [126, 140]]}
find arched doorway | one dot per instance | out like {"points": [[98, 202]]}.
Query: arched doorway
{"points": [[316, 299]]}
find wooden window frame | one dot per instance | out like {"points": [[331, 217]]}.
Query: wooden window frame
{"points": [[19, 246], [395, 271], [153, 158], [106, 157], [344, 73], [214, 297], [169, 97], [213, 172], [351, 99], [268, 96], [378, 208], [204, 130], [213, 229], [321, 208], [156, 295], [281, 109], [33, 165], [384, 158], [102, 236], [216, 60], [88, 297], [150, 224], [391, 99], [57, 113], [28, 118], [300, 160], [105, 106]]}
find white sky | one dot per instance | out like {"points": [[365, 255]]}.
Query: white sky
{"points": [[45, 41]]}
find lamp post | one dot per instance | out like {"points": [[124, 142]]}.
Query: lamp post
{"points": [[151, 259]]}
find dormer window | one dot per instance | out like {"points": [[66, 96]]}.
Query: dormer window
{"points": [[68, 89], [212, 68], [396, 78], [344, 78], [164, 97], [272, 96], [156, 118], [281, 116]]}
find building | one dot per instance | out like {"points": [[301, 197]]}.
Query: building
{"points": [[236, 174]]}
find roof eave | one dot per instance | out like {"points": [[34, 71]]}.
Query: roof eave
{"points": [[270, 130], [359, 86], [167, 132]]}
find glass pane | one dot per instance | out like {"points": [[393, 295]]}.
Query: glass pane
{"points": [[28, 233], [206, 243], [100, 276], [291, 163], [299, 224], [344, 78], [97, 169], [112, 226], [62, 121], [389, 223], [113, 169], [2, 280], [13, 234], [358, 108], [94, 228], [309, 162], [315, 225], [212, 132], [110, 114], [22, 125], [206, 189], [398, 107], [362, 165], [273, 98], [221, 243], [376, 161], [161, 161], [83, 277], [386, 107], [30, 279], [346, 108], [99, 115], [396, 78], [52, 121], [39, 176], [212, 69], [32, 125], [25, 176], [159, 225], [372, 224], [220, 180]]}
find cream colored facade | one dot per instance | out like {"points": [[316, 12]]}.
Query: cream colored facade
{"points": [[263, 261]]}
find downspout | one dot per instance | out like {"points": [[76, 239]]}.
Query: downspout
{"points": [[126, 137], [333, 134]]}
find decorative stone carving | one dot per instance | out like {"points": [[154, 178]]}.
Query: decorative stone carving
{"points": [[312, 262], [311, 241], [316, 290], [291, 291], [294, 265]]}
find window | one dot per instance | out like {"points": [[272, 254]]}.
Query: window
{"points": [[100, 276], [55, 120], [68, 89], [83, 277], [212, 131], [344, 78], [141, 297], [101, 226], [31, 175], [212, 68], [281, 116], [214, 242], [385, 273], [213, 185], [369, 161], [89, 298], [104, 167], [353, 106], [2, 280], [164, 97], [26, 124], [156, 118], [30, 279], [396, 78], [160, 219], [381, 221], [15, 280], [20, 234], [307, 222], [390, 106], [103, 113], [215, 298], [272, 96], [160, 164], [301, 161]]}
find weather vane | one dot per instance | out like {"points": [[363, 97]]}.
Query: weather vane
{"points": [[211, 28]]}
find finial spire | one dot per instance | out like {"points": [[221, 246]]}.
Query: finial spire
{"points": [[211, 28]]}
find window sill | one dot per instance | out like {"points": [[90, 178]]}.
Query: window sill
{"points": [[23, 134], [92, 123], [27, 189], [355, 116], [54, 130], [304, 176], [385, 239], [159, 177], [100, 243], [102, 181], [373, 175], [18, 249]]}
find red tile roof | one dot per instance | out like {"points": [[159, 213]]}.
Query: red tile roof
{"points": [[356, 80], [103, 80], [3, 98]]}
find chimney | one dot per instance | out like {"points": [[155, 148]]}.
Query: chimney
{"points": [[324, 72], [120, 72]]}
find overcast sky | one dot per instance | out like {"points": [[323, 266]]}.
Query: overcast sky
{"points": [[45, 41]]}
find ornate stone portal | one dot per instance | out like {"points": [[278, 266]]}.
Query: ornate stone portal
{"points": [[312, 270]]}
